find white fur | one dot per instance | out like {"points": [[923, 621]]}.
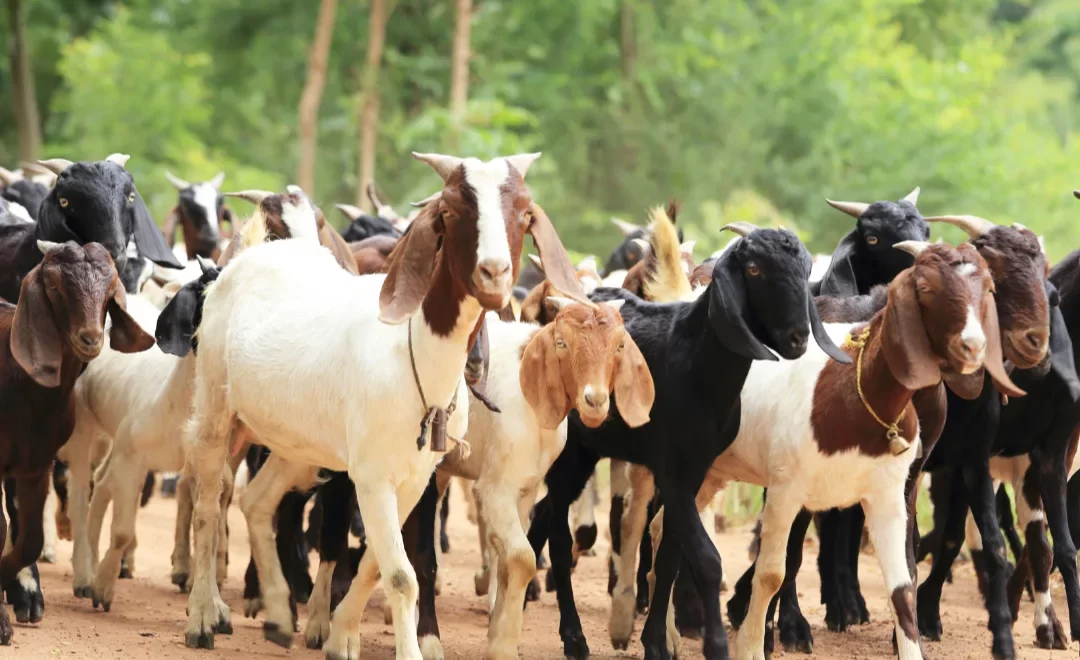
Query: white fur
{"points": [[973, 334], [286, 347], [19, 211], [26, 579], [965, 269], [1043, 603], [300, 220], [486, 179], [206, 196]]}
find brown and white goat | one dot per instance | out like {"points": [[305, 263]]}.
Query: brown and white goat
{"points": [[45, 342], [199, 214]]}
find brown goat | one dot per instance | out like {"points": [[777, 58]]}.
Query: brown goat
{"points": [[372, 254], [45, 341], [199, 213]]}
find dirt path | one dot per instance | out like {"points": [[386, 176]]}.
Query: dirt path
{"points": [[147, 617]]}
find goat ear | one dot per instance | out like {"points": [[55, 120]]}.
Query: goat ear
{"points": [[125, 335], [172, 221], [839, 278], [35, 340], [993, 359], [905, 343], [176, 323], [541, 379], [412, 264], [532, 308], [728, 308], [820, 336], [634, 388], [557, 266], [330, 239], [148, 238], [1061, 353]]}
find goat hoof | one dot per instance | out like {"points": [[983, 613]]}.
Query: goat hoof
{"points": [[223, 626], [1051, 635], [252, 607], [200, 641], [48, 556], [574, 645], [1003, 649], [84, 592], [532, 591], [125, 573], [431, 648], [620, 645], [480, 582], [96, 602], [180, 580], [273, 633], [314, 642], [585, 537], [5, 631], [795, 634], [444, 545]]}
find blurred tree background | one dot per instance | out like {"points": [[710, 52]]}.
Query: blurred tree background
{"points": [[743, 109]]}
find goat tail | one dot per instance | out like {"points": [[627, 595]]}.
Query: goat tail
{"points": [[666, 281]]}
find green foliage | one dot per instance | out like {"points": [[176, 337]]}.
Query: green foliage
{"points": [[743, 110]]}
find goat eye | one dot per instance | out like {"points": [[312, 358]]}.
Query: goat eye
{"points": [[131, 198], [872, 240], [63, 202], [622, 344], [527, 216], [753, 271], [559, 343]]}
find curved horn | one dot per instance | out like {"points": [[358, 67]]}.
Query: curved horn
{"points": [[536, 262], [218, 179], [48, 247], [427, 200], [913, 248], [205, 264], [854, 209], [443, 165], [56, 165], [176, 181], [351, 212], [522, 162], [625, 227], [8, 177], [253, 196], [913, 196], [972, 224], [118, 159], [740, 228]]}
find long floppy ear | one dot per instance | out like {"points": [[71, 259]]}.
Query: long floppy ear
{"points": [[148, 238], [634, 388], [557, 267], [1062, 361], [905, 343], [728, 309], [176, 324], [532, 308], [820, 336], [839, 279], [541, 379], [35, 340], [412, 264], [330, 239], [125, 335], [993, 359], [51, 223], [172, 221]]}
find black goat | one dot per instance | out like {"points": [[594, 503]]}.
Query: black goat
{"points": [[29, 194], [699, 354], [363, 225]]}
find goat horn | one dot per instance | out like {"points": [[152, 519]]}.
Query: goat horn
{"points": [[616, 304], [913, 196], [427, 200], [253, 196], [972, 224], [558, 302], [687, 247], [118, 159], [351, 212], [912, 247], [854, 209], [625, 227], [8, 177], [48, 247], [56, 165], [443, 165], [641, 243], [218, 179], [536, 262], [176, 181], [1019, 227], [205, 264], [372, 195], [294, 189], [740, 228], [522, 162]]}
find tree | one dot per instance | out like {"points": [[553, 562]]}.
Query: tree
{"points": [[27, 120], [459, 70], [311, 98], [369, 98]]}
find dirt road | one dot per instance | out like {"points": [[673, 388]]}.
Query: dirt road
{"points": [[147, 616]]}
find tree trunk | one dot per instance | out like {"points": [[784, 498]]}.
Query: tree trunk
{"points": [[459, 72], [311, 98], [27, 121], [369, 98]]}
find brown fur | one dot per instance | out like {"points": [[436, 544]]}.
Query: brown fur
{"points": [[194, 243], [372, 254], [918, 330], [903, 601], [585, 346]]}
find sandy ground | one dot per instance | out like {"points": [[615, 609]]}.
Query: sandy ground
{"points": [[147, 616]]}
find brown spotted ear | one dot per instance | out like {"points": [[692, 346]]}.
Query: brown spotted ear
{"points": [[532, 308], [557, 267], [343, 254], [411, 265], [35, 340], [125, 335], [634, 388], [541, 379], [905, 342], [993, 360]]}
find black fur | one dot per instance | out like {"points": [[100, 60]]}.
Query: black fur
{"points": [[367, 226], [176, 326], [28, 193]]}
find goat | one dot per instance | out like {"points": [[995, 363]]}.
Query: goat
{"points": [[199, 213], [371, 254], [48, 337], [865, 256], [26, 193], [458, 258], [362, 225], [631, 250], [699, 354]]}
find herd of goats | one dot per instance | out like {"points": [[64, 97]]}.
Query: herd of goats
{"points": [[368, 368]]}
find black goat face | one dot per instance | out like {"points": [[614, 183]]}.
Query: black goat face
{"points": [[883, 225], [203, 205]]}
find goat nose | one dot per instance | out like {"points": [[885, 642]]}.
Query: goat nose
{"points": [[493, 269], [90, 338], [1035, 338], [798, 338], [973, 348], [594, 398]]}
